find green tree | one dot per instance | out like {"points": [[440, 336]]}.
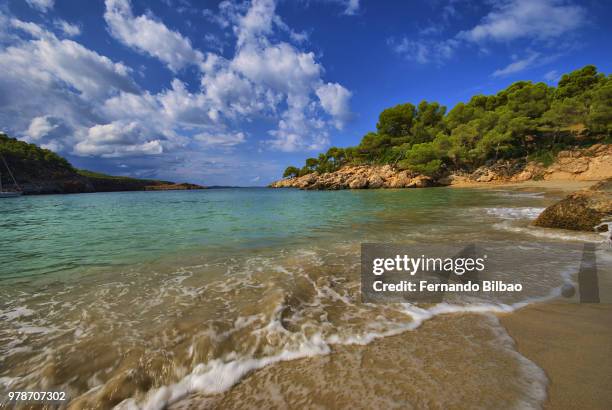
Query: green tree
{"points": [[600, 115], [291, 172], [396, 121], [578, 82], [423, 158], [528, 100], [312, 163]]}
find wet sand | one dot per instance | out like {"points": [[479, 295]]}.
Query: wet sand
{"points": [[452, 361], [573, 344]]}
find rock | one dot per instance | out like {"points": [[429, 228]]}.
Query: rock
{"points": [[358, 182], [589, 164], [581, 210], [402, 179], [531, 171], [375, 181], [422, 181], [487, 177]]}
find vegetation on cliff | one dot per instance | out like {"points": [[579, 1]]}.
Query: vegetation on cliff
{"points": [[29, 162], [525, 119], [39, 170]]}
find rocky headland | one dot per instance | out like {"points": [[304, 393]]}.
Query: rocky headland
{"points": [[581, 164], [40, 171]]}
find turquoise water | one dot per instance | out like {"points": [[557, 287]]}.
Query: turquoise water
{"points": [[143, 298], [43, 235]]}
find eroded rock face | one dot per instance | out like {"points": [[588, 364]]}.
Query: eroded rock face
{"points": [[581, 210], [358, 177], [588, 164]]}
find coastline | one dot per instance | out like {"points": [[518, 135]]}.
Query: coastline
{"points": [[578, 164]]}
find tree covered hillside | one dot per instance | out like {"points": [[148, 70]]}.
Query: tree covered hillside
{"points": [[525, 119], [40, 171], [28, 162]]}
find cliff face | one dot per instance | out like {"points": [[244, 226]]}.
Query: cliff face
{"points": [[588, 164], [358, 177], [593, 163]]}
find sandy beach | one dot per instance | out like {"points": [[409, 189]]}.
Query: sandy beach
{"points": [[562, 185], [573, 344]]}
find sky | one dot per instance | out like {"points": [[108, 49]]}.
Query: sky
{"points": [[232, 92]]}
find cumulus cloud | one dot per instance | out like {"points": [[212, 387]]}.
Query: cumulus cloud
{"points": [[48, 132], [41, 5], [118, 139], [149, 36], [40, 127], [62, 95], [335, 101], [50, 59], [45, 78], [257, 21], [258, 79]]}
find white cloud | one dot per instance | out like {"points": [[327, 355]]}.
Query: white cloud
{"points": [[48, 132], [70, 30], [517, 66], [552, 76], [335, 101], [49, 60], [539, 19], [352, 7], [257, 22], [220, 139], [118, 139], [280, 67], [41, 5], [104, 113], [40, 127], [425, 51], [150, 36]]}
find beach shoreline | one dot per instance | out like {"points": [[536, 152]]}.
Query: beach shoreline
{"points": [[561, 185]]}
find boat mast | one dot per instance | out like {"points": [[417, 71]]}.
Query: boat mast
{"points": [[10, 173]]}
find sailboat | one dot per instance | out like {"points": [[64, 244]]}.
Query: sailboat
{"points": [[9, 194]]}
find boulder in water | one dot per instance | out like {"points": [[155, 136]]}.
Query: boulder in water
{"points": [[580, 211]]}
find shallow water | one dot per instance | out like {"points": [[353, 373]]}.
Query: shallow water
{"points": [[151, 298]]}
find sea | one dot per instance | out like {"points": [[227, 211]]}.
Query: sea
{"points": [[251, 298]]}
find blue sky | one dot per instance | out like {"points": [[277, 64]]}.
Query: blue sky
{"points": [[232, 92]]}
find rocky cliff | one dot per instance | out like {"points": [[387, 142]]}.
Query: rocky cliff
{"points": [[358, 177], [593, 163]]}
